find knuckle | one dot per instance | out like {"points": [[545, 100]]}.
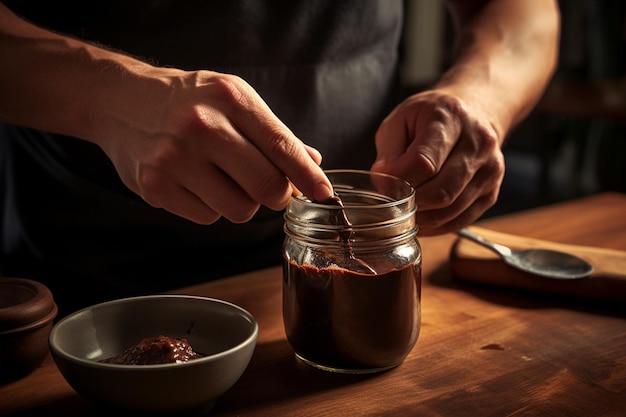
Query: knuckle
{"points": [[493, 169], [229, 89], [198, 122], [168, 155], [443, 197], [279, 145], [152, 175], [243, 213], [150, 183], [498, 168], [426, 164], [490, 200], [487, 141], [449, 110]]}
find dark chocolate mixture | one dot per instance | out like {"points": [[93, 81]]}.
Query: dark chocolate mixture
{"points": [[345, 319], [341, 219], [155, 350]]}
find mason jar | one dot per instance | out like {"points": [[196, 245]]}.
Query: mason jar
{"points": [[352, 274]]}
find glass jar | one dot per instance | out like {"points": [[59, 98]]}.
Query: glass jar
{"points": [[352, 274]]}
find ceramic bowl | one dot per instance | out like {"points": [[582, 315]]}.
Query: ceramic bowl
{"points": [[27, 311], [223, 333]]}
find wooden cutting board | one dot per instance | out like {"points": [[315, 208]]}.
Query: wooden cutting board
{"points": [[474, 263]]}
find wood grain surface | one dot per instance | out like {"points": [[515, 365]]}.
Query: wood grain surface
{"points": [[483, 350], [474, 263]]}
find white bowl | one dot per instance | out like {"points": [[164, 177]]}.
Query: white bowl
{"points": [[223, 333]]}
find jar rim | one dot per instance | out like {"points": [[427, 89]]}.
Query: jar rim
{"points": [[408, 191], [375, 207], [390, 222], [321, 242]]}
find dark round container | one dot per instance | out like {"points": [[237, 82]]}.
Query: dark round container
{"points": [[27, 312]]}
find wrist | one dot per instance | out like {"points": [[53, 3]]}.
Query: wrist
{"points": [[481, 96]]}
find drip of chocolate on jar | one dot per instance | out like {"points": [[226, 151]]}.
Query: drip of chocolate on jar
{"points": [[340, 218], [351, 262]]}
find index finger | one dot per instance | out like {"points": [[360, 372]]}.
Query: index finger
{"points": [[293, 158], [297, 161]]}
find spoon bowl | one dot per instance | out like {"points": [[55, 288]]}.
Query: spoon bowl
{"points": [[358, 265], [543, 262]]}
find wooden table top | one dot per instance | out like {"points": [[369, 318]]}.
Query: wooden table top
{"points": [[482, 351]]}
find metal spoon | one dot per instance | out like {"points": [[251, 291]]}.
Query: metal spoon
{"points": [[349, 262], [543, 262]]}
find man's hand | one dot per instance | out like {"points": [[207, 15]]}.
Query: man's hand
{"points": [[213, 149], [449, 152], [447, 141]]}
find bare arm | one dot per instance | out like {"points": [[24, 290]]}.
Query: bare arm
{"points": [[56, 83], [506, 53], [179, 139], [446, 141]]}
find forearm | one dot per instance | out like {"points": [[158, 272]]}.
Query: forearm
{"points": [[60, 84], [506, 53]]}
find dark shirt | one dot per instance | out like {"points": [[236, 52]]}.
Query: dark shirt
{"points": [[328, 69]]}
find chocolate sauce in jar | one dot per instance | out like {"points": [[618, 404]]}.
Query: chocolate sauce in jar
{"points": [[352, 274], [344, 320]]}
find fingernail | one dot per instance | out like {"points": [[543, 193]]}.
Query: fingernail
{"points": [[378, 164]]}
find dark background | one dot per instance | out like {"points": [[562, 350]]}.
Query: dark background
{"points": [[574, 142]]}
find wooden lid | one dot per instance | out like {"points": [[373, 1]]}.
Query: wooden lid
{"points": [[23, 302]]}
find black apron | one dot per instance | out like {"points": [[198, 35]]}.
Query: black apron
{"points": [[328, 69]]}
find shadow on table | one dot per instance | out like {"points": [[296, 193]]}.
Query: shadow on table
{"points": [[524, 299], [276, 375], [68, 406]]}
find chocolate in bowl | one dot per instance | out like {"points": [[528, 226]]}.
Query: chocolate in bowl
{"points": [[156, 350], [223, 332]]}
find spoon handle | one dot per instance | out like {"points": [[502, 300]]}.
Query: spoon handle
{"points": [[610, 263], [501, 250]]}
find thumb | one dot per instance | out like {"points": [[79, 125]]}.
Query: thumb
{"points": [[391, 143]]}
